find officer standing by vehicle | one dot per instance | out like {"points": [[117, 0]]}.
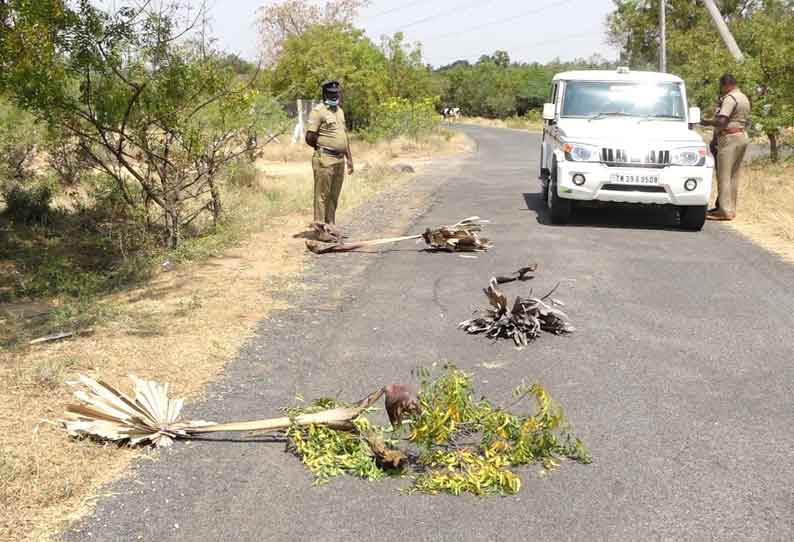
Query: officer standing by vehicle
{"points": [[327, 135], [730, 126]]}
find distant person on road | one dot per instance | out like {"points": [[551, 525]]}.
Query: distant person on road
{"points": [[730, 127], [326, 133]]}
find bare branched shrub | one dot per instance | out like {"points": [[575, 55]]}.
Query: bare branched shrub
{"points": [[279, 21]]}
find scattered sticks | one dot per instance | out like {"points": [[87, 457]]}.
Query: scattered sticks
{"points": [[522, 274]]}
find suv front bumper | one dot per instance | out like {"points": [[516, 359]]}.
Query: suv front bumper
{"points": [[602, 183]]}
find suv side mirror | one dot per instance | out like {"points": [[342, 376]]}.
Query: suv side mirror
{"points": [[549, 112], [694, 115]]}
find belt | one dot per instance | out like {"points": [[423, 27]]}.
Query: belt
{"points": [[732, 131], [331, 152]]}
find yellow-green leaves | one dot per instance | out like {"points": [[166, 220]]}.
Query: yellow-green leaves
{"points": [[464, 445]]}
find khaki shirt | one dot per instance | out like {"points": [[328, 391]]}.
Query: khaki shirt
{"points": [[736, 106], [330, 127]]}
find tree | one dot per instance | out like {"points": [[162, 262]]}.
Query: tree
{"points": [[761, 28], [289, 18], [153, 112], [334, 52], [634, 25], [407, 76], [501, 59]]}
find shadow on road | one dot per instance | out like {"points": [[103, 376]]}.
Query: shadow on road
{"points": [[613, 215]]}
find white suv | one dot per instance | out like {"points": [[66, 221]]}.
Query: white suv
{"points": [[623, 136]]}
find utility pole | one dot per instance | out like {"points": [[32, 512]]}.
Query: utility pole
{"points": [[663, 36], [724, 31]]}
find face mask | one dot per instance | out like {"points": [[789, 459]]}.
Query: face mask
{"points": [[332, 102]]}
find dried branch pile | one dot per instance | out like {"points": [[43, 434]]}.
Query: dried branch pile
{"points": [[456, 443], [522, 322], [462, 236]]}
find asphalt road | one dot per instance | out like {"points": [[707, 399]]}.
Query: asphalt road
{"points": [[679, 379]]}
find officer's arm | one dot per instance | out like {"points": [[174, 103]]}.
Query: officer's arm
{"points": [[311, 139], [719, 122], [313, 128]]}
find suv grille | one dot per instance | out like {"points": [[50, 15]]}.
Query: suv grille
{"points": [[621, 157]]}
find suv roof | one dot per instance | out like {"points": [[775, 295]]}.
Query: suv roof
{"points": [[620, 74]]}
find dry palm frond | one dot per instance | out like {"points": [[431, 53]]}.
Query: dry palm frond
{"points": [[106, 412], [522, 322], [521, 274], [150, 416], [461, 237]]}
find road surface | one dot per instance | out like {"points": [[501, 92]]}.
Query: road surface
{"points": [[679, 379]]}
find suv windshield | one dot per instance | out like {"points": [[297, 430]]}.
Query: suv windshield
{"points": [[596, 99]]}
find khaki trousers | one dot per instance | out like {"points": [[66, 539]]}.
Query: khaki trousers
{"points": [[730, 156], [329, 174]]}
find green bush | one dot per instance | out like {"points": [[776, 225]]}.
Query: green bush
{"points": [[29, 205], [402, 117]]}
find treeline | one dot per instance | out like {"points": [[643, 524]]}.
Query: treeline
{"points": [[495, 87]]}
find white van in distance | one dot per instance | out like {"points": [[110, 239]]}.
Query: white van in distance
{"points": [[623, 136]]}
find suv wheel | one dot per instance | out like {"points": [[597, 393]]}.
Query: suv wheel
{"points": [[693, 217], [559, 208]]}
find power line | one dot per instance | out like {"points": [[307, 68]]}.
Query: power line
{"points": [[458, 8], [558, 39], [504, 20], [392, 10]]}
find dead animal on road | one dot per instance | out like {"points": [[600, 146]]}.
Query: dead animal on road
{"points": [[521, 274], [522, 322], [462, 236]]}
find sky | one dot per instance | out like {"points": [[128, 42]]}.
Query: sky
{"points": [[449, 30]]}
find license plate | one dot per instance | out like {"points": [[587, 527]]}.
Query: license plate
{"points": [[630, 178]]}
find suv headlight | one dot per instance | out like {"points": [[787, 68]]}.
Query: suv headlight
{"points": [[688, 156], [577, 152]]}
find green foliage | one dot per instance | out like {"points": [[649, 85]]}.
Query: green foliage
{"points": [[161, 115], [327, 452], [402, 117], [19, 137], [496, 88], [333, 52], [29, 204], [464, 445], [449, 412]]}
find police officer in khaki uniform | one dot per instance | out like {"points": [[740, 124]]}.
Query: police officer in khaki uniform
{"points": [[327, 135], [730, 127]]}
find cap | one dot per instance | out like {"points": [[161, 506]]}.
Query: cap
{"points": [[330, 86]]}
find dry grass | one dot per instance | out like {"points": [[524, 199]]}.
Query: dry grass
{"points": [[512, 123], [181, 327], [766, 206]]}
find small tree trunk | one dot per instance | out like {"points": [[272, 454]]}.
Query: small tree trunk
{"points": [[217, 208], [774, 151]]}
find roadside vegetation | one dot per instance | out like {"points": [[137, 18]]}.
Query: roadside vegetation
{"points": [[143, 171], [149, 200]]}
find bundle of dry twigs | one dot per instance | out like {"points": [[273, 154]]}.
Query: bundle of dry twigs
{"points": [[523, 322], [459, 237]]}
